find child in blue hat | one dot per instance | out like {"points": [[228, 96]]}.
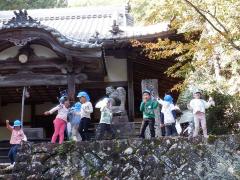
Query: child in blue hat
{"points": [[60, 121], [75, 118], [17, 137], [168, 115], [85, 112]]}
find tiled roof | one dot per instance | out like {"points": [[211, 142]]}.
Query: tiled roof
{"points": [[81, 24]]}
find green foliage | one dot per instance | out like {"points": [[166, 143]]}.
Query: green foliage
{"points": [[165, 49], [65, 148], [31, 4], [224, 116], [184, 98], [215, 61], [211, 139]]}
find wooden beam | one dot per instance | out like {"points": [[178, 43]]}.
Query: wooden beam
{"points": [[102, 85], [117, 53], [35, 79], [36, 63]]}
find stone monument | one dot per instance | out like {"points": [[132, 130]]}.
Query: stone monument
{"points": [[120, 123], [118, 99]]}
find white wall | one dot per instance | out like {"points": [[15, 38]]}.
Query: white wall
{"points": [[39, 51], [42, 51], [9, 53], [116, 69]]}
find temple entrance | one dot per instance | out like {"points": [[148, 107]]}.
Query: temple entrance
{"points": [[43, 98]]}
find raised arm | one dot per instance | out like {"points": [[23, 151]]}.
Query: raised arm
{"points": [[160, 101], [8, 126], [209, 103], [51, 111]]}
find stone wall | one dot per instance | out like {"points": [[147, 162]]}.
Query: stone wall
{"points": [[164, 158]]}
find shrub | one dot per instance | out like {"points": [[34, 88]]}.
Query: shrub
{"points": [[224, 117]]}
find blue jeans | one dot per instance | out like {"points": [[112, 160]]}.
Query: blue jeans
{"points": [[170, 130], [13, 152]]}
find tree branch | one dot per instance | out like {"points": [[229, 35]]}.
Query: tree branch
{"points": [[216, 19], [224, 34]]}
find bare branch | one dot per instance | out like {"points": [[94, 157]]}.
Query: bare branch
{"points": [[216, 19], [224, 34]]}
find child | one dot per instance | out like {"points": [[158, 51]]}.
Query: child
{"points": [[75, 121], [106, 120], [168, 115], [198, 107], [85, 112], [147, 107], [60, 121], [16, 138]]}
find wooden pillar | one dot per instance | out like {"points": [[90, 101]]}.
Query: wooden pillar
{"points": [[130, 90], [1, 109], [33, 115], [71, 87]]}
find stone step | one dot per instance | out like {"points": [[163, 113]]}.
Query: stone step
{"points": [[4, 165], [8, 177], [6, 169], [4, 159], [4, 143], [4, 151]]}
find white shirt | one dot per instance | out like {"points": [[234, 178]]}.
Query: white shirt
{"points": [[62, 112], [167, 109], [86, 110], [106, 115], [199, 105]]}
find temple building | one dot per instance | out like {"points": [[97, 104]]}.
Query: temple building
{"points": [[50, 50]]}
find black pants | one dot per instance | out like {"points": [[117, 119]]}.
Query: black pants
{"points": [[170, 129], [163, 131], [83, 128], [151, 123], [13, 152], [103, 128]]}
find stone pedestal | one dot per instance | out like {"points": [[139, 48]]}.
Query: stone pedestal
{"points": [[124, 130], [34, 133]]}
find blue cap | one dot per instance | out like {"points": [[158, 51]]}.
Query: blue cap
{"points": [[62, 99], [168, 98], [83, 94], [17, 123], [77, 106]]}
